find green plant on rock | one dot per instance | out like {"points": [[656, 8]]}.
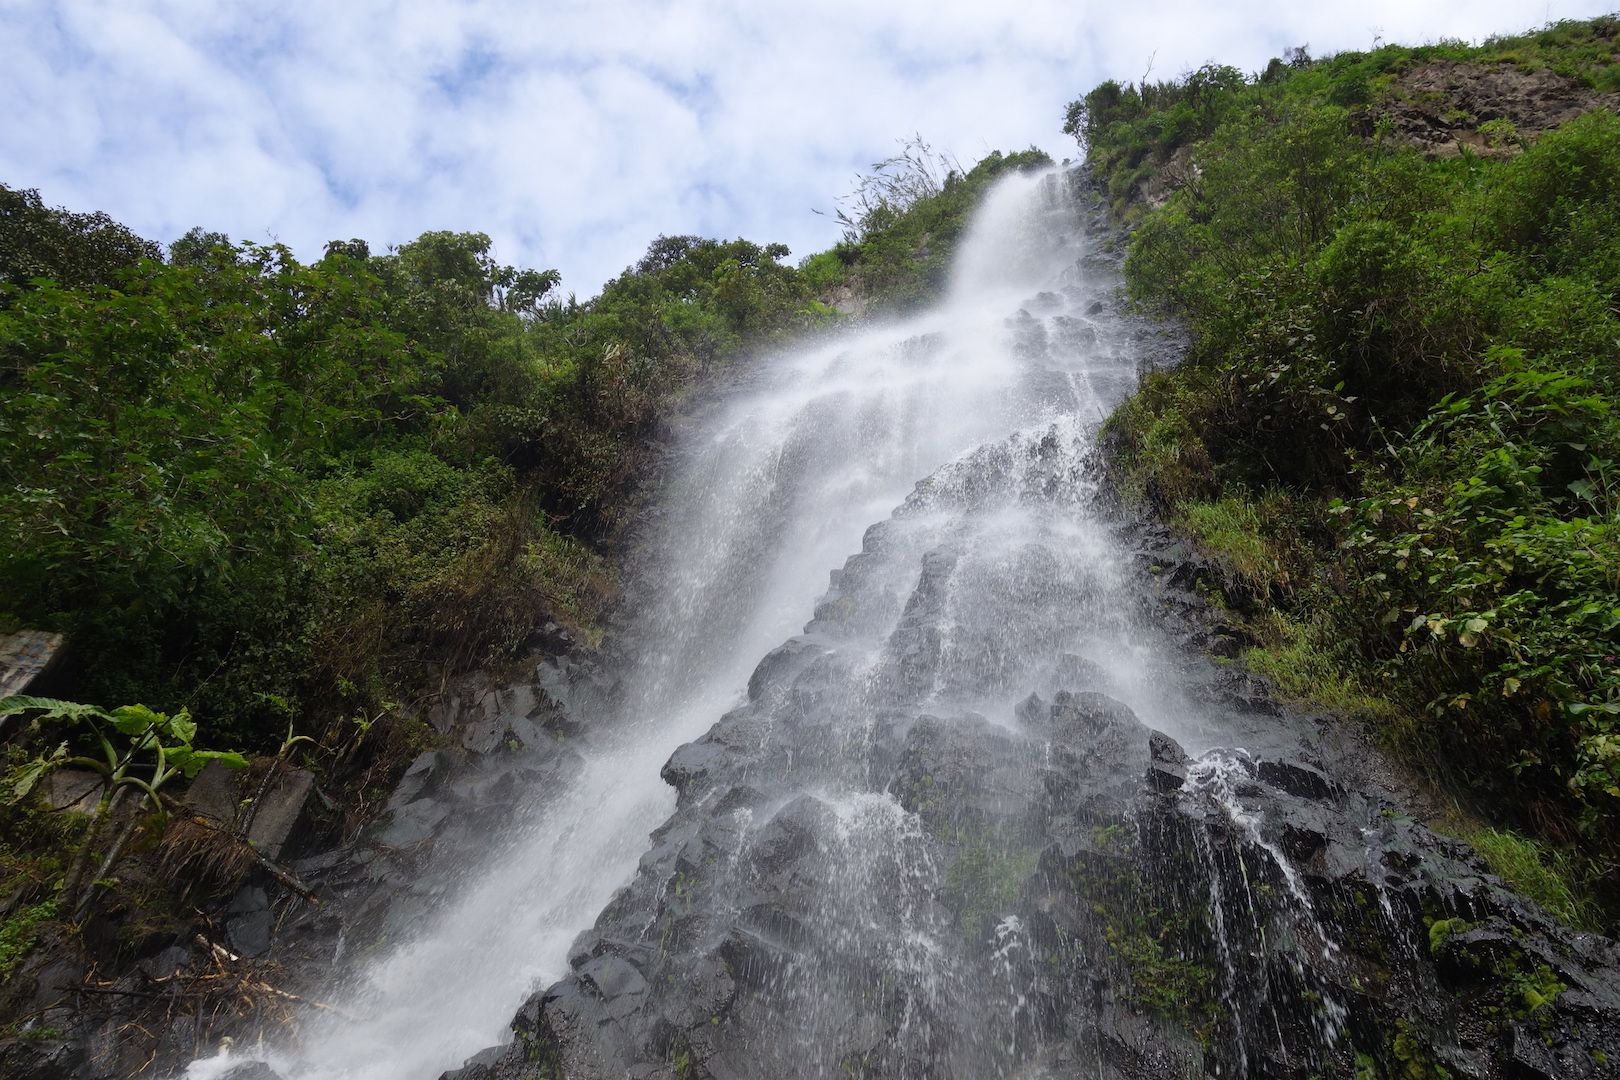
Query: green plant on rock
{"points": [[984, 881], [1163, 977], [133, 749], [1414, 1056], [18, 932], [1443, 930], [1529, 992], [1547, 876], [1499, 133]]}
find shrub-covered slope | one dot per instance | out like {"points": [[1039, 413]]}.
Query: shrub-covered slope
{"points": [[1395, 427]]}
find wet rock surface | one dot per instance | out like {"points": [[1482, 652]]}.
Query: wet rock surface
{"points": [[510, 744], [867, 877]]}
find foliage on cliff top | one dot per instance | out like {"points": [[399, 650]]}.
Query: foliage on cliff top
{"points": [[902, 222], [1131, 130], [1408, 367]]}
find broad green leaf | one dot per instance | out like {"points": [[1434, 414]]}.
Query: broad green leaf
{"points": [[182, 727], [135, 720], [25, 778], [193, 761], [51, 707]]}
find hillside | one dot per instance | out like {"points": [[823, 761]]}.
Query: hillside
{"points": [[1395, 429]]}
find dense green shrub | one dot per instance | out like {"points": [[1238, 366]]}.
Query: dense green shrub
{"points": [[246, 484]]}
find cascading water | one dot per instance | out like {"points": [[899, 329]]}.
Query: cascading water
{"points": [[771, 494], [887, 727]]}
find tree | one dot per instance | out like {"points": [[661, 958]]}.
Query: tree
{"points": [[37, 241]]}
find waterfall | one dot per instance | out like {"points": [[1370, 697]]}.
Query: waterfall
{"points": [[771, 494], [919, 770]]}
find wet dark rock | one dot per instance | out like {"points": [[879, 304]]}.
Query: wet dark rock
{"points": [[251, 1070], [1297, 778], [249, 921], [412, 823], [790, 833], [281, 811], [483, 727], [419, 779], [963, 770], [166, 964], [32, 1058], [1167, 767], [213, 794], [691, 764], [481, 1066]]}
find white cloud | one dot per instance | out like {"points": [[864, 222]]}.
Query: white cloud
{"points": [[574, 132]]}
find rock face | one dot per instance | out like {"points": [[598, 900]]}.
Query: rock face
{"points": [[1441, 106], [509, 744], [25, 656], [934, 842]]}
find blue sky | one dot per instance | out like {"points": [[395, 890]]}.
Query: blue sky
{"points": [[574, 133]]}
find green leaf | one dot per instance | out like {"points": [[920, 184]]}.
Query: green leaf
{"points": [[51, 707], [25, 778], [182, 727], [135, 720], [190, 762]]}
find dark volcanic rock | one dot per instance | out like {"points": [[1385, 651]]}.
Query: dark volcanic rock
{"points": [[251, 1070], [862, 880]]}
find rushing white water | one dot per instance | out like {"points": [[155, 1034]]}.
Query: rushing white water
{"points": [[773, 491]]}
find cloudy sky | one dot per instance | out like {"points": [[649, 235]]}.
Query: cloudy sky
{"points": [[573, 133]]}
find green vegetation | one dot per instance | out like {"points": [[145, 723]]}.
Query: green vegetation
{"points": [[1162, 978], [1530, 992], [244, 484], [135, 749], [1442, 931], [902, 222], [1543, 875], [984, 881], [1395, 430], [1130, 131], [1413, 1055], [17, 934]]}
